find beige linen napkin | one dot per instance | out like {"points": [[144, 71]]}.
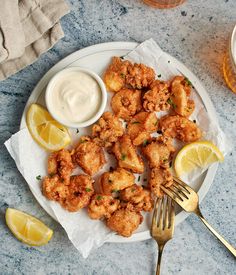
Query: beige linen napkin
{"points": [[28, 28]]}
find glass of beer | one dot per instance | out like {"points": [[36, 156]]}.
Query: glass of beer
{"points": [[229, 64], [163, 4]]}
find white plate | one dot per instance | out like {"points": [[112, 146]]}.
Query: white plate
{"points": [[96, 58]]}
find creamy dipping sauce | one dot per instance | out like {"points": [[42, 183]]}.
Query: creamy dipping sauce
{"points": [[76, 97]]}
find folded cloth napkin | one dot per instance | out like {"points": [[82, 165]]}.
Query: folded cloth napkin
{"points": [[28, 28]]}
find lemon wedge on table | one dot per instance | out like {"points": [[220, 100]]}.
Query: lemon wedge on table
{"points": [[196, 155], [46, 131], [27, 228]]}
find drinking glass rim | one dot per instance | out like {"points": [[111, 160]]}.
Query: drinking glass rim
{"points": [[233, 46]]}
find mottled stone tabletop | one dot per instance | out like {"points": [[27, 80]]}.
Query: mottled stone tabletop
{"points": [[196, 33]]}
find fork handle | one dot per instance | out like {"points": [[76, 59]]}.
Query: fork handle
{"points": [[158, 270], [217, 235]]}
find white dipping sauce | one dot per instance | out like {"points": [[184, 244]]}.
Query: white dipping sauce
{"points": [[76, 97]]}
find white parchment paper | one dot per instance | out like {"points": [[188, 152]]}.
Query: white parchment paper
{"points": [[86, 234]]}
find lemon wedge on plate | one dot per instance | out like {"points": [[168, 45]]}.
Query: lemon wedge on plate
{"points": [[196, 155], [49, 133], [27, 228]]}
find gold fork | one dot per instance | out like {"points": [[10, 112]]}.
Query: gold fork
{"points": [[188, 199], [162, 225]]}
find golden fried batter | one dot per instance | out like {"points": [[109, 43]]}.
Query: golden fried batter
{"points": [[126, 103], [125, 221], [54, 189], [60, 163], [112, 182], [160, 176], [180, 91], [114, 76], [180, 128], [158, 151], [107, 130], [137, 195], [140, 127], [139, 76], [156, 98], [127, 156], [80, 192], [89, 156], [102, 206]]}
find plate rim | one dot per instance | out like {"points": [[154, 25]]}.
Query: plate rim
{"points": [[123, 45]]}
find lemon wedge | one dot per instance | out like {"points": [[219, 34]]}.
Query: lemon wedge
{"points": [[49, 133], [27, 228], [196, 155]]}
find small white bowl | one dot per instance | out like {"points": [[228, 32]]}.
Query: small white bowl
{"points": [[101, 109]]}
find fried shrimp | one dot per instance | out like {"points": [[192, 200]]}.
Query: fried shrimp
{"points": [[80, 192], [89, 156], [141, 126], [126, 103], [137, 195], [61, 163], [156, 99], [139, 76], [125, 221], [107, 130], [179, 99], [113, 182], [158, 151], [127, 156], [160, 176], [180, 128], [102, 206], [54, 189], [114, 76]]}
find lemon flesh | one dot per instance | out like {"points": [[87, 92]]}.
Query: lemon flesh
{"points": [[27, 228], [196, 155], [46, 131]]}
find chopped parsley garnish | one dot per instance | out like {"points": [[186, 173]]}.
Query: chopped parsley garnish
{"points": [[38, 177], [88, 189], [123, 156], [122, 75], [171, 103], [111, 169], [159, 132], [168, 61], [170, 163], [51, 175], [159, 75], [139, 178], [99, 197], [135, 122], [114, 191], [133, 189], [110, 181], [145, 143], [83, 141], [144, 179], [194, 121], [77, 131], [188, 82], [155, 124]]}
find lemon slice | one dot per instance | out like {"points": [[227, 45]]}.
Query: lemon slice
{"points": [[27, 228], [45, 130], [196, 155]]}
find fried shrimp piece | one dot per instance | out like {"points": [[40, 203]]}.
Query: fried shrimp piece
{"points": [[137, 195], [107, 130], [61, 163], [140, 127], [179, 99], [180, 128], [102, 206], [127, 156], [125, 221], [112, 182], [80, 192], [139, 76], [160, 176], [126, 103], [54, 189], [88, 155], [156, 99], [158, 151], [114, 76]]}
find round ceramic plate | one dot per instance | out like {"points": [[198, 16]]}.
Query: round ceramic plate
{"points": [[96, 58]]}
